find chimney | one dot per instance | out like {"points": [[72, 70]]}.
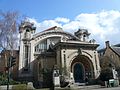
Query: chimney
{"points": [[107, 44]]}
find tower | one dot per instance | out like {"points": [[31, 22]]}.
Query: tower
{"points": [[26, 30], [82, 34]]}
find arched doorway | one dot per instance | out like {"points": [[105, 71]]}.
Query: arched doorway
{"points": [[82, 67], [78, 72]]}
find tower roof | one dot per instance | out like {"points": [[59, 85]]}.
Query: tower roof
{"points": [[27, 24], [82, 31], [53, 28]]}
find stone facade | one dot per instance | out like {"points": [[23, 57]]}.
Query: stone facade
{"points": [[112, 56], [111, 51], [41, 53]]}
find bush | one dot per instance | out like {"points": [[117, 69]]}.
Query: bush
{"points": [[47, 78], [106, 74], [4, 80], [92, 82]]}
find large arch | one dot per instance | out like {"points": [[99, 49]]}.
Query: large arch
{"points": [[46, 35], [84, 66], [53, 33]]}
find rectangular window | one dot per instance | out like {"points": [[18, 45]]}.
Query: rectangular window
{"points": [[26, 55], [65, 71], [95, 60], [41, 47]]}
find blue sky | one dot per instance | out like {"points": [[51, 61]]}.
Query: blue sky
{"points": [[100, 17], [50, 9]]}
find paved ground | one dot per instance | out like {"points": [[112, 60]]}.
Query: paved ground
{"points": [[113, 88], [95, 87]]}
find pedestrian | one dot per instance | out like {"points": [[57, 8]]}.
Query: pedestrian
{"points": [[86, 80], [108, 85]]}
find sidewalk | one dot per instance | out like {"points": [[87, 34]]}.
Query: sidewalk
{"points": [[79, 87]]}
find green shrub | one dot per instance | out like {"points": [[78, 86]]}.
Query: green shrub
{"points": [[4, 80], [106, 74], [19, 87]]}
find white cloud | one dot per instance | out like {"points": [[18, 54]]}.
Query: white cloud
{"points": [[49, 23], [33, 20], [63, 20], [104, 25], [44, 25]]}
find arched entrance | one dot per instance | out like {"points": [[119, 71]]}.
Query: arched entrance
{"points": [[78, 72], [82, 67]]}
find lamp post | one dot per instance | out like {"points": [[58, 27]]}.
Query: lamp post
{"points": [[8, 75]]}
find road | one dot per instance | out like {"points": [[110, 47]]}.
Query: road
{"points": [[113, 88], [89, 88]]}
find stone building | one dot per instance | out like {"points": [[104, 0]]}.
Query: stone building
{"points": [[3, 63], [4, 56], [110, 55], [41, 53]]}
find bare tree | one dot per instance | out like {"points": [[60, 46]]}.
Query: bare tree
{"points": [[8, 33], [8, 37], [8, 30]]}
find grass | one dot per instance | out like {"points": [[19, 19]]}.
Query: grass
{"points": [[19, 87]]}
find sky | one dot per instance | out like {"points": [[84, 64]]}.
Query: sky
{"points": [[100, 17]]}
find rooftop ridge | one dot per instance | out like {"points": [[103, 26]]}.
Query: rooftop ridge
{"points": [[52, 28]]}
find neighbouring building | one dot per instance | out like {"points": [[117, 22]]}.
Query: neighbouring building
{"points": [[110, 55], [2, 64], [4, 58], [41, 53]]}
